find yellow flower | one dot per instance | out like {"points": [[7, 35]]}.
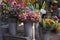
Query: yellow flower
{"points": [[55, 1], [52, 21], [58, 28], [49, 21]]}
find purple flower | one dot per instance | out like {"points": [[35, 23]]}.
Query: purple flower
{"points": [[11, 10], [55, 17]]}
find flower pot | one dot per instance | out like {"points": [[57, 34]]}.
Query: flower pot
{"points": [[37, 30], [4, 25], [47, 36], [28, 28], [1, 34], [5, 28], [12, 26], [58, 32]]}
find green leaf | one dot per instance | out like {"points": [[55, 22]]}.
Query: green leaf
{"points": [[37, 6]]}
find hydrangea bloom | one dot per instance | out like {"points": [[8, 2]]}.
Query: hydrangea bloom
{"points": [[29, 16]]}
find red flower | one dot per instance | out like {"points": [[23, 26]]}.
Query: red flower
{"points": [[19, 3], [58, 17]]}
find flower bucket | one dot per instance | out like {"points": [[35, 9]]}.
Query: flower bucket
{"points": [[12, 26], [5, 28], [58, 28], [4, 25], [47, 36], [28, 28], [37, 30], [1, 34], [58, 32]]}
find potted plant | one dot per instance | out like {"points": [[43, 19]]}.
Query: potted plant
{"points": [[14, 11], [1, 32], [28, 18], [4, 17], [58, 26], [48, 25], [13, 16]]}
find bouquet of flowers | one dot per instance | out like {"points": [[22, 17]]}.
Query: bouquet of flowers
{"points": [[4, 10], [29, 16], [58, 25], [8, 10], [12, 11], [49, 24]]}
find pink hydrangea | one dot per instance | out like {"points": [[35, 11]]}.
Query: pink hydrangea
{"points": [[30, 16], [13, 2]]}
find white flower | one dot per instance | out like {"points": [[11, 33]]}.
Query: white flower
{"points": [[43, 11]]}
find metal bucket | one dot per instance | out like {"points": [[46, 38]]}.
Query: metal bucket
{"points": [[12, 26]]}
